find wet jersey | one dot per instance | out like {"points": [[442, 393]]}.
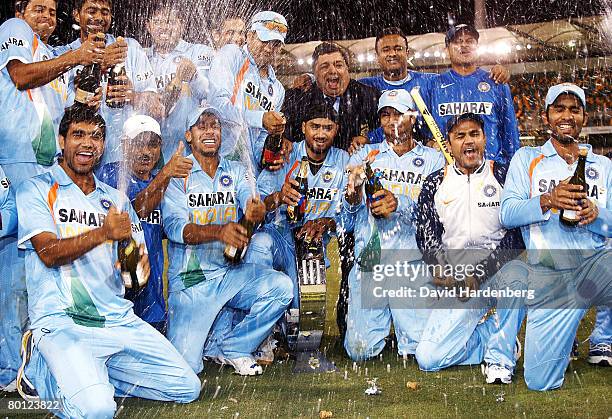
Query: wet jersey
{"points": [[89, 289], [537, 170], [403, 176], [30, 118], [8, 210], [150, 304], [412, 79], [195, 92], [450, 94], [242, 95], [200, 200], [139, 71], [324, 187]]}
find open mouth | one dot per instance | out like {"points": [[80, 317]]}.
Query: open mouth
{"points": [[333, 82], [84, 157], [566, 128], [209, 142], [470, 152]]}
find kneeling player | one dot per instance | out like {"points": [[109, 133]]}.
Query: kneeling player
{"points": [[200, 214], [386, 224], [459, 209], [86, 345]]}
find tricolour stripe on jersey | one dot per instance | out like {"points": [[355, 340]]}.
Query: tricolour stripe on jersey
{"points": [[52, 197], [239, 79], [532, 167]]}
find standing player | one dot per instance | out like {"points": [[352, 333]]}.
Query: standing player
{"points": [[468, 88], [200, 214], [145, 187], [33, 94], [386, 224], [181, 73], [94, 17], [534, 195], [244, 87], [85, 344], [468, 191]]}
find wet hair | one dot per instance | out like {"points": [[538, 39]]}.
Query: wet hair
{"points": [[78, 4], [393, 30], [79, 113], [20, 5], [329, 48], [180, 12]]}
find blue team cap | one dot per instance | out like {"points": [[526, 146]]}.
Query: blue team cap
{"points": [[454, 31], [270, 26], [469, 116], [399, 100], [558, 89], [194, 116]]}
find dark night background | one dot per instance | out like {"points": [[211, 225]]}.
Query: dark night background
{"points": [[311, 20]]}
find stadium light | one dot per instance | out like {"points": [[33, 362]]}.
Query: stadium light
{"points": [[426, 55], [360, 58], [571, 43], [309, 61], [528, 46], [370, 58], [503, 48], [518, 47], [417, 55], [300, 61], [437, 54]]}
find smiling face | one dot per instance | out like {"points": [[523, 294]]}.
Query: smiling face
{"points": [[332, 74], [392, 54], [232, 31], [94, 16], [264, 53], [205, 135], [165, 28], [462, 50], [467, 143], [82, 147], [565, 117], [40, 16], [319, 134], [142, 153]]}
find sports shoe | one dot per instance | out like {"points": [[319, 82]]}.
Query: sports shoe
{"points": [[245, 365], [600, 354], [496, 374], [575, 354], [265, 353], [518, 349], [24, 387]]}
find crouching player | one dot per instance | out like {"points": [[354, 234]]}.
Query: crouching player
{"points": [[386, 224], [274, 246], [576, 256], [145, 186], [86, 345], [200, 219], [459, 209]]}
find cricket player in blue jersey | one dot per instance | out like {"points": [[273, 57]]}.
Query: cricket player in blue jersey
{"points": [[85, 344], [145, 187], [243, 84], [576, 257], [386, 224], [468, 88], [274, 246], [180, 70], [458, 225], [33, 94], [200, 216], [600, 341], [138, 91]]}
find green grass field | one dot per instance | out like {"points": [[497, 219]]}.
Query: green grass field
{"points": [[456, 392]]}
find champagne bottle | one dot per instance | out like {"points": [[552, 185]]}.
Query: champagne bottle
{"points": [[569, 218], [233, 254], [114, 80], [128, 255], [372, 185], [87, 82], [295, 213], [271, 151]]}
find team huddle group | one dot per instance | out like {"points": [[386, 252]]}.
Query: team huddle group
{"points": [[181, 149]]}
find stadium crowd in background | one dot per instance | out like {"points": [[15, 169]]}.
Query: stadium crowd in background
{"points": [[109, 148]]}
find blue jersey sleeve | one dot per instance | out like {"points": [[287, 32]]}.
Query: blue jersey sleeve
{"points": [[518, 208], [108, 174], [603, 223], [174, 211], [202, 57], [140, 67], [33, 211], [509, 132], [8, 210], [137, 231], [16, 39]]}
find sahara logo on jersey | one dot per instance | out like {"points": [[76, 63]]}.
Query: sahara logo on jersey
{"points": [[262, 101], [210, 199], [13, 41], [459, 108]]}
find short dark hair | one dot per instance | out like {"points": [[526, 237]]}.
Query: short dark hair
{"points": [[392, 30], [20, 5], [180, 12], [329, 48], [78, 4], [80, 113]]}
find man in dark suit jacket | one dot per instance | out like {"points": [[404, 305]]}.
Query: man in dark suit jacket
{"points": [[356, 105]]}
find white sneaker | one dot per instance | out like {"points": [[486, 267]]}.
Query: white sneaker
{"points": [[24, 387], [245, 365], [265, 353], [600, 354], [496, 374]]}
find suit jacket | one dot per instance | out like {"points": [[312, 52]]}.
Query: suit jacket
{"points": [[357, 114]]}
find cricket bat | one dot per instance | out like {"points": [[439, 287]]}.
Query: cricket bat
{"points": [[431, 123]]}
